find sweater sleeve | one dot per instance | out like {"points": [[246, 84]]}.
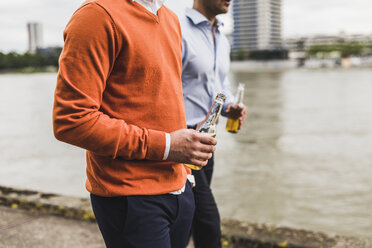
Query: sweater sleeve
{"points": [[88, 56]]}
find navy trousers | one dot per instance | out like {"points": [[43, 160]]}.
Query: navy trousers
{"points": [[206, 229], [157, 221]]}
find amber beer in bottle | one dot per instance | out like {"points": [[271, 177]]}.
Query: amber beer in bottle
{"points": [[232, 124], [208, 125]]}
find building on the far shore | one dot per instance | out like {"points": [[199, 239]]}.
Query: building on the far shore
{"points": [[35, 36], [257, 27]]}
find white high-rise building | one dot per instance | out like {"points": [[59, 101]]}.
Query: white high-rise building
{"points": [[35, 36], [257, 25]]}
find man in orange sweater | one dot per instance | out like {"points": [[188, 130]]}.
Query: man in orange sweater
{"points": [[119, 96]]}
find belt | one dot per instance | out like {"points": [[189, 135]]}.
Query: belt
{"points": [[192, 126]]}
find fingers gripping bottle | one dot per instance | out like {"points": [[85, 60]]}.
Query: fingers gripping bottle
{"points": [[232, 124], [208, 125]]}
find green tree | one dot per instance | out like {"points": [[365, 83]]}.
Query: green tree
{"points": [[346, 49], [13, 60]]}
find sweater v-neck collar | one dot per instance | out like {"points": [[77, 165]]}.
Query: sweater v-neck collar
{"points": [[144, 10]]}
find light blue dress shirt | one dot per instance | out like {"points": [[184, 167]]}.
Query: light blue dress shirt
{"points": [[205, 65]]}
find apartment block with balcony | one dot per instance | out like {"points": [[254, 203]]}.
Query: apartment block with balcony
{"points": [[257, 25], [35, 37]]}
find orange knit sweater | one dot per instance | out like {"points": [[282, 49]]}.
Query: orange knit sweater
{"points": [[118, 91]]}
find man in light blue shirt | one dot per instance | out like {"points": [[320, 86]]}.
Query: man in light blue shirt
{"points": [[205, 65]]}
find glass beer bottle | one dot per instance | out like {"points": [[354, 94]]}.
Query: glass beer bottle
{"points": [[232, 124], [208, 125]]}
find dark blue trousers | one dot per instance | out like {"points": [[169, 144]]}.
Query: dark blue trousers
{"points": [[206, 229], [206, 226], [157, 221]]}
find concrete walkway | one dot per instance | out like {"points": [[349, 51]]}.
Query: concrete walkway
{"points": [[23, 229], [37, 226]]}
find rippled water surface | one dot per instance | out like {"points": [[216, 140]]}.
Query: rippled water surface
{"points": [[303, 159]]}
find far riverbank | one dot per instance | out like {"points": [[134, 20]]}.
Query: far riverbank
{"points": [[30, 70], [244, 66], [278, 65]]}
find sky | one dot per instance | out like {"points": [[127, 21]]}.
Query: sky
{"points": [[299, 18]]}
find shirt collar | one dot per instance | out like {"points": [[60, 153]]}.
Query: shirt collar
{"points": [[159, 2], [151, 5], [198, 18]]}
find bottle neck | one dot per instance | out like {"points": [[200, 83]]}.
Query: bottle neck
{"points": [[217, 107], [213, 114], [240, 95]]}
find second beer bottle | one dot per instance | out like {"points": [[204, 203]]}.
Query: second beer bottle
{"points": [[232, 124]]}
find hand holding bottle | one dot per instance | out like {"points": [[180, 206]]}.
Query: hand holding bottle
{"points": [[237, 112], [190, 146]]}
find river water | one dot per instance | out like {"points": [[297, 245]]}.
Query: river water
{"points": [[303, 159]]}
